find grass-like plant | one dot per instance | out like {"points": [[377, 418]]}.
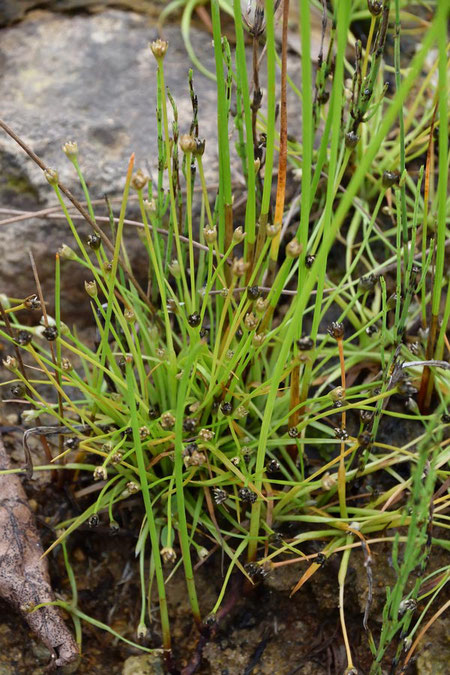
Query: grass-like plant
{"points": [[215, 389]]}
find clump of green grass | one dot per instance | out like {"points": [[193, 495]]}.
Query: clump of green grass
{"points": [[215, 390]]}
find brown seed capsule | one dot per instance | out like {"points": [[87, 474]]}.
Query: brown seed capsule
{"points": [[200, 144], [366, 416], [133, 487], [18, 390], [94, 241], [139, 180], [305, 343], [226, 408], [168, 555], [153, 412], [144, 433], [253, 292], [375, 7], [32, 302], [194, 319], [251, 321], [273, 466], [72, 443], [187, 143], [189, 424], [368, 282], [365, 439], [390, 178], [336, 330], [258, 340], [239, 267], [294, 248], [351, 139], [261, 305]]}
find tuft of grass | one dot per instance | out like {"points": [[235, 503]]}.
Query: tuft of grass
{"points": [[214, 390]]}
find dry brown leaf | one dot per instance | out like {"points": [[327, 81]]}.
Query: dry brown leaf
{"points": [[24, 576]]}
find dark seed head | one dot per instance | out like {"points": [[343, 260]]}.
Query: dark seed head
{"points": [[309, 260], [32, 302], [24, 337], [194, 319], [342, 434], [365, 439], [204, 332], [219, 495], [246, 495], [445, 418], [293, 432], [154, 412], [375, 7], [406, 388], [189, 449], [255, 572], [94, 520], [351, 139], [94, 241], [72, 443], [390, 178], [368, 283], [226, 408], [366, 416], [336, 330], [189, 424], [305, 343], [114, 528], [323, 97], [18, 390], [273, 466], [253, 292], [321, 559], [128, 432], [372, 329], [50, 333]]}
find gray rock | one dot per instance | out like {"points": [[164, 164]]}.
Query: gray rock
{"points": [[89, 78]]}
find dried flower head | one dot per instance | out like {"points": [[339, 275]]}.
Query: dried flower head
{"points": [[24, 337], [94, 241], [238, 235], [294, 248], [246, 495], [51, 176], [66, 252], [139, 180], [273, 230], [167, 420], [32, 302], [239, 267], [210, 235], [219, 495], [336, 330], [205, 435], [91, 288], [70, 149], [168, 555], [10, 362], [100, 473], [187, 143], [251, 321], [159, 49]]}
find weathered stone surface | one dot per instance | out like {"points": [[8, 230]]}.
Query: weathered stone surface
{"points": [[89, 78]]}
